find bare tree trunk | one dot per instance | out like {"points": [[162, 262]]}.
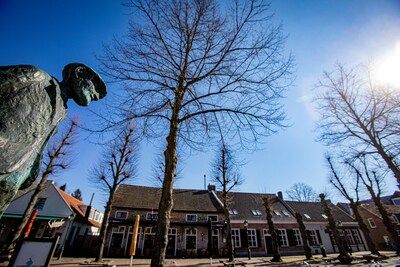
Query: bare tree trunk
{"points": [[229, 243], [304, 237], [104, 226], [27, 213], [364, 229], [275, 245], [166, 202], [385, 217], [343, 257]]}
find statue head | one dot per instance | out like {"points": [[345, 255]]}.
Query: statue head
{"points": [[82, 84]]}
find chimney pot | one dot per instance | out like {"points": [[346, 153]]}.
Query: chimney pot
{"points": [[211, 187], [280, 195]]}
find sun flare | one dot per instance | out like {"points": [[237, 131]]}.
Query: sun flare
{"points": [[388, 68]]}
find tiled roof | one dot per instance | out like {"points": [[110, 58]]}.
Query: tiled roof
{"points": [[143, 197], [77, 205], [315, 210], [391, 209], [244, 203], [384, 199]]}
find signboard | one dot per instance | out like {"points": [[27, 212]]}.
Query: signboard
{"points": [[34, 252]]}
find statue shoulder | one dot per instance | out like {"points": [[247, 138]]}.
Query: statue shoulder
{"points": [[20, 75]]}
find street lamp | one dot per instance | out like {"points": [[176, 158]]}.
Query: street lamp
{"points": [[246, 225]]}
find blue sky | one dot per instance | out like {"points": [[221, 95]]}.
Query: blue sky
{"points": [[50, 34]]}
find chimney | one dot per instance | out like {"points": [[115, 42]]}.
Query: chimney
{"points": [[280, 195], [211, 187]]}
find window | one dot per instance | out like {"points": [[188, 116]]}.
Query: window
{"points": [[324, 216], [371, 223], [121, 214], [307, 216], [233, 212], [215, 232], [394, 219], [191, 238], [297, 237], [356, 236], [151, 216], [172, 231], [149, 230], [96, 216], [213, 218], [252, 237], [277, 213], [40, 203], [191, 217], [313, 237], [117, 237], [236, 238], [349, 236], [396, 201], [282, 237], [256, 212], [285, 213]]}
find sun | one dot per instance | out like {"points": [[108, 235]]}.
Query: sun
{"points": [[388, 68]]}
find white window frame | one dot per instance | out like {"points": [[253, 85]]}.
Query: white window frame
{"points": [[356, 236], [314, 237], [349, 236], [307, 216], [285, 240], [252, 238], [256, 212], [210, 216], [277, 213], [190, 234], [236, 238], [194, 216], [324, 216], [233, 212], [371, 223], [297, 237], [285, 213], [121, 212], [150, 216]]}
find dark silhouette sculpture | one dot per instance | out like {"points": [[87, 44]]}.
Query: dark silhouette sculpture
{"points": [[32, 104]]}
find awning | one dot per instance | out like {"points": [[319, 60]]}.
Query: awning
{"points": [[39, 217]]}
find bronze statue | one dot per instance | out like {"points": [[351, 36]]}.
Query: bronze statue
{"points": [[32, 104]]}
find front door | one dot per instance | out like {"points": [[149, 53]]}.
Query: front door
{"points": [[268, 244], [148, 245], [171, 246], [215, 246]]}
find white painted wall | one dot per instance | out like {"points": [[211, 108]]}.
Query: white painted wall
{"points": [[326, 241]]}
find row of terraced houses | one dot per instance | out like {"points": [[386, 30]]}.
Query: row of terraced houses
{"points": [[191, 234]]}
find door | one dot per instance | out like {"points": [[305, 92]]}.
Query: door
{"points": [[215, 246], [171, 246], [148, 245], [268, 244]]}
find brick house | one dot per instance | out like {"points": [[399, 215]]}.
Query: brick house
{"points": [[373, 220], [189, 229], [192, 235], [316, 224]]}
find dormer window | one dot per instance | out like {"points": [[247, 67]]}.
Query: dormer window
{"points": [[324, 216], [120, 214], [277, 213], [307, 216], [152, 216], [256, 212], [285, 213], [191, 217], [233, 212]]}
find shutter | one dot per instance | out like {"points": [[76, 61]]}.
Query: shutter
{"points": [[318, 236], [290, 235], [258, 233], [243, 238]]}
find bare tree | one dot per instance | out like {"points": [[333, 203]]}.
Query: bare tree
{"points": [[352, 194], [360, 115], [373, 182], [56, 159], [225, 174], [194, 69], [116, 167], [304, 236], [267, 202], [301, 192], [344, 256]]}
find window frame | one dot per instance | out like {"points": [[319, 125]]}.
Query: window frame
{"points": [[190, 235], [286, 241], [284, 212], [121, 212], [371, 225], [235, 234], [191, 214], [153, 216], [212, 215], [297, 237], [252, 238]]}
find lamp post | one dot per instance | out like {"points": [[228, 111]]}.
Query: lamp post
{"points": [[246, 225], [70, 220]]}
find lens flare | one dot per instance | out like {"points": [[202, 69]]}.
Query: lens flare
{"points": [[388, 68]]}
